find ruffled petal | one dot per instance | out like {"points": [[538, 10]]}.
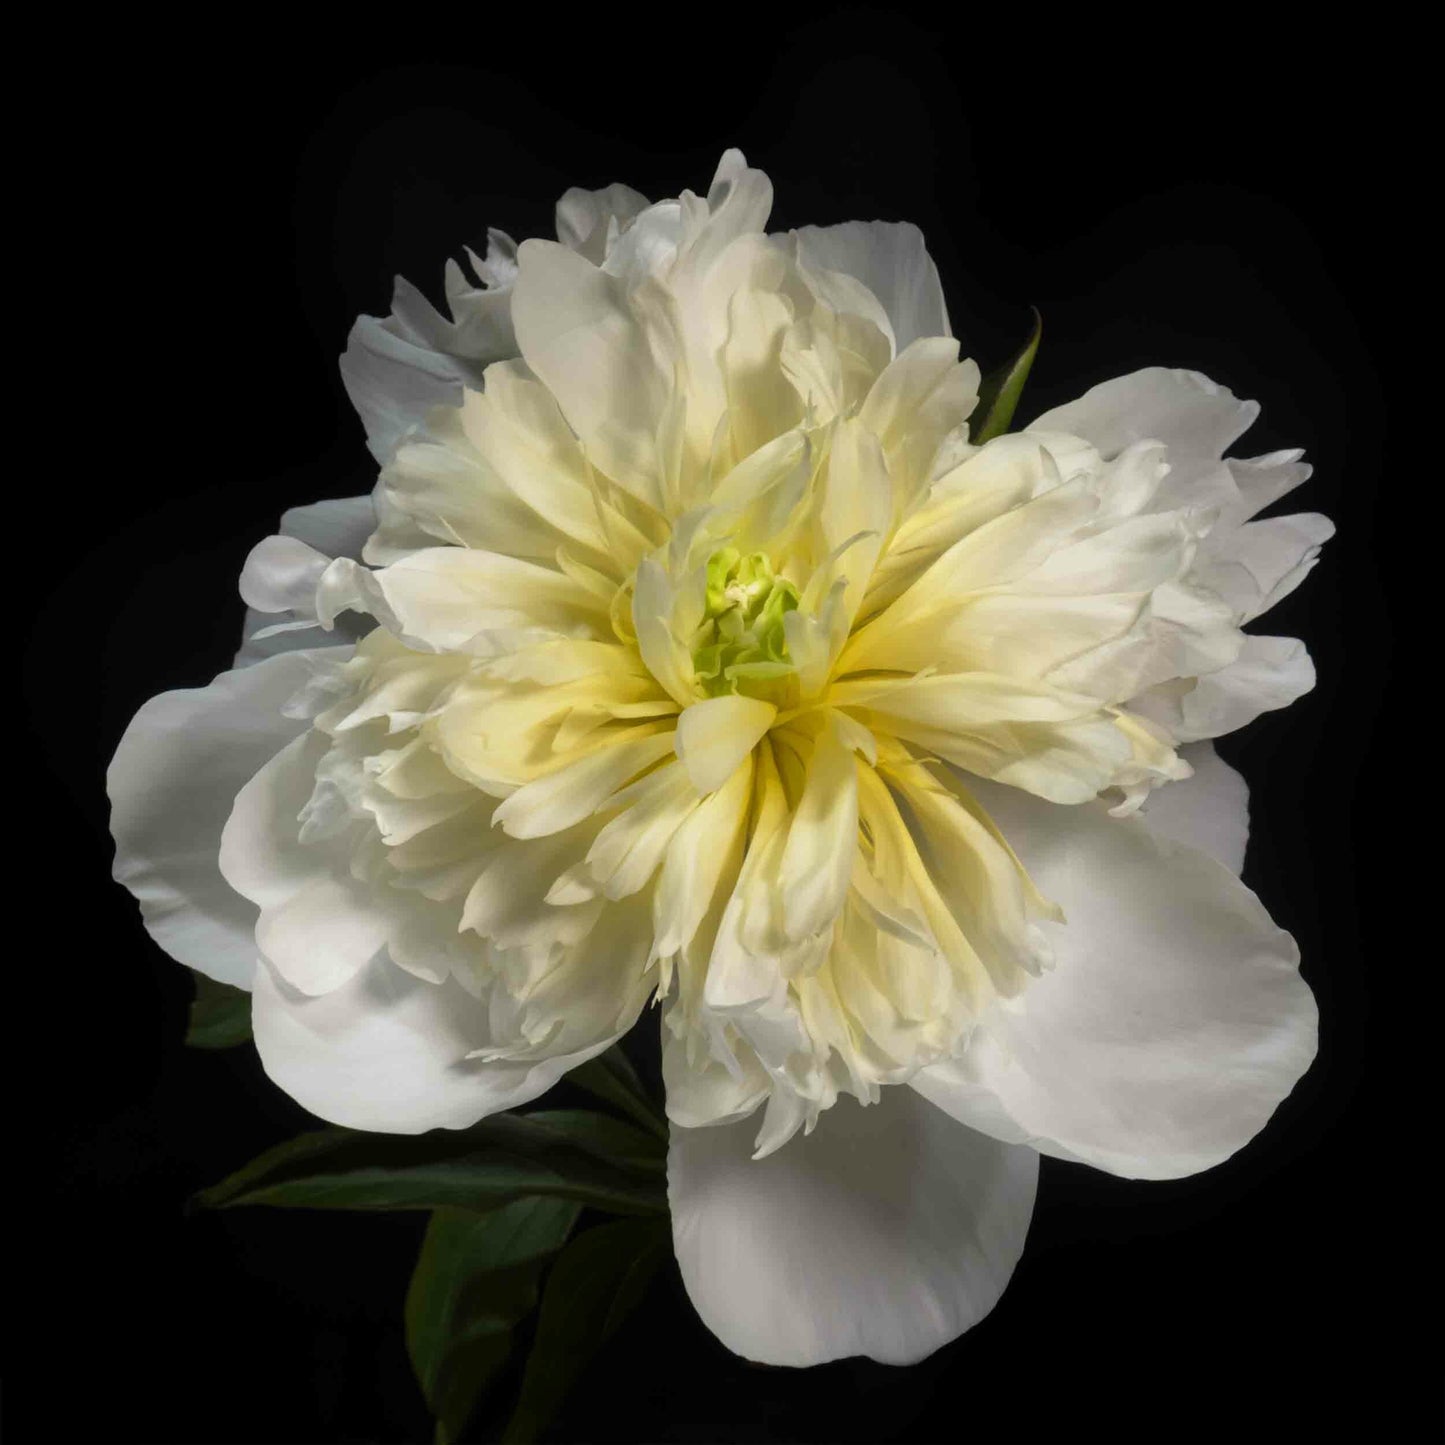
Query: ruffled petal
{"points": [[1261, 563], [581, 337], [887, 1232], [890, 259], [1269, 673], [588, 221], [1184, 409], [339, 528], [1062, 746], [397, 369], [281, 575]]}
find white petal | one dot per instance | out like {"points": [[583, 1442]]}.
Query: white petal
{"points": [[339, 528], [923, 396], [172, 781], [1181, 408], [587, 221], [1269, 673], [387, 1052], [886, 1232], [890, 259], [714, 736], [1208, 810], [318, 924], [1261, 563], [656, 602], [280, 575], [397, 369], [336, 528], [1173, 1022], [579, 335], [1262, 480]]}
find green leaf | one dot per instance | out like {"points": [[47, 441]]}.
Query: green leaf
{"points": [[475, 1279], [606, 1137], [596, 1283], [220, 1015], [566, 1154], [612, 1078], [999, 393]]}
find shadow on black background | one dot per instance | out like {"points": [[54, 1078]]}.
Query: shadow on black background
{"points": [[235, 211]]}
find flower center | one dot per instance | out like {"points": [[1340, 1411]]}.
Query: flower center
{"points": [[741, 646]]}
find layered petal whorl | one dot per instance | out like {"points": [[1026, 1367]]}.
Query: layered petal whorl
{"points": [[701, 637]]}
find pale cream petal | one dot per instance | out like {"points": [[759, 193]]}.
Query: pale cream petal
{"points": [[855, 515], [714, 736], [629, 848], [448, 597], [661, 611], [817, 861], [567, 795], [697, 864], [923, 396], [890, 259], [1062, 746], [581, 337], [520, 434]]}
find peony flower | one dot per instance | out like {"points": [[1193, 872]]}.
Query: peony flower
{"points": [[691, 651]]}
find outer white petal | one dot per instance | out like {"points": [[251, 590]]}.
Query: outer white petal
{"points": [[280, 575], [1269, 673], [339, 528], [318, 924], [331, 529], [396, 369], [172, 782], [1261, 563], [386, 1052], [1173, 1022], [886, 1232], [1182, 408], [1262, 480], [1208, 810], [890, 259], [588, 221]]}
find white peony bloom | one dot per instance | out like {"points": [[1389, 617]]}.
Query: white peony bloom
{"points": [[710, 664]]}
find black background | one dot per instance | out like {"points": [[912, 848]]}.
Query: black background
{"points": [[237, 199]]}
